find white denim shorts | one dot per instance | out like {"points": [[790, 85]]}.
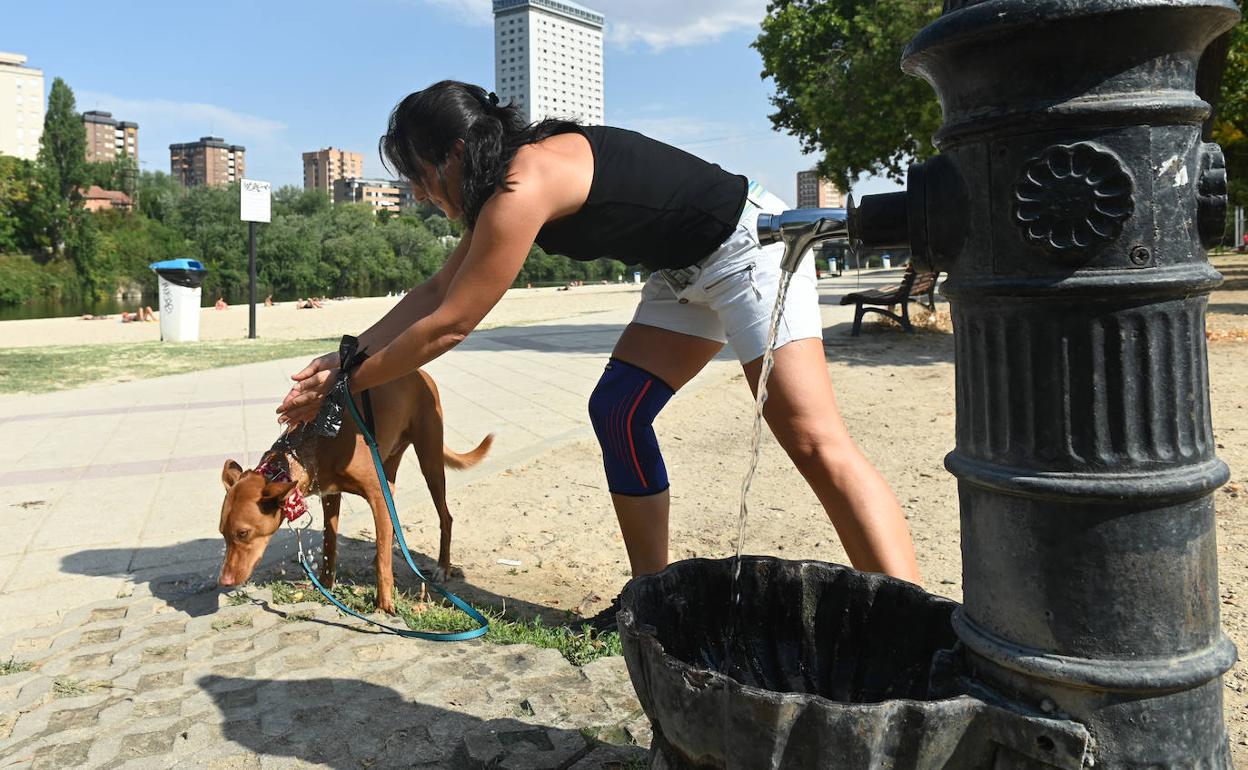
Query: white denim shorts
{"points": [[729, 295]]}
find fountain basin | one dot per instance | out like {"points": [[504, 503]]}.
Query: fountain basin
{"points": [[821, 666]]}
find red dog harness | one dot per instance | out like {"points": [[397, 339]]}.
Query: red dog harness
{"points": [[294, 506]]}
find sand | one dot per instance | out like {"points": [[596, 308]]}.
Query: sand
{"points": [[284, 322]]}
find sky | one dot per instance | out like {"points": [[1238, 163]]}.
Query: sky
{"points": [[283, 77]]}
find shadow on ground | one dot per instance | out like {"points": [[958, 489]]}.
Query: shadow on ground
{"points": [[345, 723], [1228, 308], [579, 339], [194, 591], [886, 345]]}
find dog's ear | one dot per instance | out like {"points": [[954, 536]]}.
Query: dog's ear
{"points": [[276, 491], [230, 473]]}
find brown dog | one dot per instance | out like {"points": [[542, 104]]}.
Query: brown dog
{"points": [[408, 413]]}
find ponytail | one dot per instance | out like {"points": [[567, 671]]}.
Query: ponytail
{"points": [[426, 124]]}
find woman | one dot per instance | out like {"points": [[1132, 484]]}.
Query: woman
{"points": [[589, 192]]}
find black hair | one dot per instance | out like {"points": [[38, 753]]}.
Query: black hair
{"points": [[426, 124]]}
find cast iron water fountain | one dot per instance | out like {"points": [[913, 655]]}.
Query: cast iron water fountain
{"points": [[1071, 207]]}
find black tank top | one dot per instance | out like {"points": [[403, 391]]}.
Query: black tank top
{"points": [[649, 203]]}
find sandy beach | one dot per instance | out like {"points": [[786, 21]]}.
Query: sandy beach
{"points": [[284, 322]]}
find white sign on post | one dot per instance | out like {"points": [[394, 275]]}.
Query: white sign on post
{"points": [[255, 202]]}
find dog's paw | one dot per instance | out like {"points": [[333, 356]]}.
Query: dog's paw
{"points": [[439, 575], [386, 606]]}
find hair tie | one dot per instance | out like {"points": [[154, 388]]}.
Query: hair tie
{"points": [[493, 98]]}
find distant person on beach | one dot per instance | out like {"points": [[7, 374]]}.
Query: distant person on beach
{"points": [[90, 317], [220, 304], [307, 304], [268, 301], [591, 192], [142, 314]]}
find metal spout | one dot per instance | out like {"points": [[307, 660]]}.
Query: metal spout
{"points": [[799, 229]]}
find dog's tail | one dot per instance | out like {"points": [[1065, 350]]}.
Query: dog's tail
{"points": [[460, 462]]}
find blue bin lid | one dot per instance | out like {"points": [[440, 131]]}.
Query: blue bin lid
{"points": [[178, 264]]}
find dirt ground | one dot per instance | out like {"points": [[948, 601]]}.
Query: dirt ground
{"points": [[284, 322], [555, 518]]}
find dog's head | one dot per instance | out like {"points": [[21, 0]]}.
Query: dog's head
{"points": [[250, 514]]}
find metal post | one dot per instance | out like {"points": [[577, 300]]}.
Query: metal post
{"points": [[1071, 209], [251, 272]]}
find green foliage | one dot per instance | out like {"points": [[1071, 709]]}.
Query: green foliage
{"points": [[61, 173], [1231, 122], [17, 188], [22, 279], [120, 174], [839, 85]]}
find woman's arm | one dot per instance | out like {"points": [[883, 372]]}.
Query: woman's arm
{"points": [[419, 302], [505, 231]]}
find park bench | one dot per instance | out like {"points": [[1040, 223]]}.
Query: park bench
{"points": [[914, 286]]}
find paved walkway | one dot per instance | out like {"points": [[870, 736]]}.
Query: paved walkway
{"points": [[118, 484], [133, 683]]}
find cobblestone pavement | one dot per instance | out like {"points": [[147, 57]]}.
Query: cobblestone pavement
{"points": [[134, 683]]}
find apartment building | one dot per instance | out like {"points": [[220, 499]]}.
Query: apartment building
{"points": [[21, 107], [210, 161], [548, 59], [381, 194], [323, 168], [108, 138], [816, 193]]}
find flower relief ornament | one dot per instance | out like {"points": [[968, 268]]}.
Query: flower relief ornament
{"points": [[1073, 197]]}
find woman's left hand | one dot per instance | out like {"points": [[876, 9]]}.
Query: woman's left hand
{"points": [[303, 402]]}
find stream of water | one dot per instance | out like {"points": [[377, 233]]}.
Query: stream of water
{"points": [[760, 399]]}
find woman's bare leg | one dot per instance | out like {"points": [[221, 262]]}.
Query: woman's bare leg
{"points": [[801, 411]]}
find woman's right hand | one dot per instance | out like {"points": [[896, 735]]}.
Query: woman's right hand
{"points": [[325, 363]]}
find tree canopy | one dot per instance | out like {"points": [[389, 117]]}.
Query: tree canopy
{"points": [[839, 87]]}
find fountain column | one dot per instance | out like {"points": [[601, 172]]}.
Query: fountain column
{"points": [[1071, 207]]}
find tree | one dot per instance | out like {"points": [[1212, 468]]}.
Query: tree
{"points": [[17, 186], [839, 85], [61, 172], [1230, 124], [157, 195]]}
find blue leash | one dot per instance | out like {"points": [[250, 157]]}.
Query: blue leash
{"points": [[436, 636]]}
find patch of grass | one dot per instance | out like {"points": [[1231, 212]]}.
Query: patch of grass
{"points": [[14, 666], [66, 687], [40, 370], [298, 617], [238, 598], [237, 621], [578, 646]]}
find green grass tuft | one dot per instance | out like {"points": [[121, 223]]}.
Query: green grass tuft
{"points": [[66, 687], [236, 621], [14, 666], [578, 645]]}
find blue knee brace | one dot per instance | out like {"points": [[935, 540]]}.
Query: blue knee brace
{"points": [[622, 409]]}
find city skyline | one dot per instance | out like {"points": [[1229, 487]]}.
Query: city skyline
{"points": [[692, 81]]}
